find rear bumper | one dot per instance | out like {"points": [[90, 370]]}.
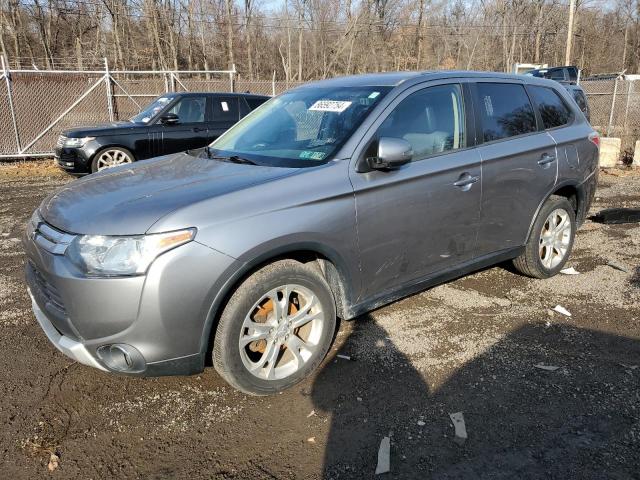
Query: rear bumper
{"points": [[587, 192], [66, 345]]}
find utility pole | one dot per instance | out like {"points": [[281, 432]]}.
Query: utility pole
{"points": [[567, 55]]}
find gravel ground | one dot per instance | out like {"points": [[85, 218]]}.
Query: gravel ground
{"points": [[468, 346]]}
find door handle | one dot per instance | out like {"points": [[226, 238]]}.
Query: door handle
{"points": [[546, 158], [466, 180], [198, 129]]}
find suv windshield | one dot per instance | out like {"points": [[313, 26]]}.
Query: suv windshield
{"points": [[300, 128], [151, 110]]}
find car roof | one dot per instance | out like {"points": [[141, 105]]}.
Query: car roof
{"points": [[394, 79], [222, 94]]}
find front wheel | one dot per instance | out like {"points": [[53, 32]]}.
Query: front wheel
{"points": [[276, 328], [551, 240], [110, 157]]}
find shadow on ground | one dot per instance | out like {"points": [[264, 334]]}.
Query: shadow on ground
{"points": [[579, 421]]}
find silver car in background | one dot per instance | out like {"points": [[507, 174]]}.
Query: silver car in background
{"points": [[328, 201]]}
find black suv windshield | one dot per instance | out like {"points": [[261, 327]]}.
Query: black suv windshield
{"points": [[151, 110], [300, 128]]}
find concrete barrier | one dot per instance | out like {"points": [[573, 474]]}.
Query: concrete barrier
{"points": [[636, 155], [609, 151]]}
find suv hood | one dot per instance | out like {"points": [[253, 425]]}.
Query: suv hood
{"points": [[102, 129], [128, 200]]}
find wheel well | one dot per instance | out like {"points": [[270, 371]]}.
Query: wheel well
{"points": [[336, 280], [571, 194]]}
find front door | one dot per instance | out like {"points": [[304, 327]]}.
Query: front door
{"points": [[423, 217], [191, 130], [519, 165]]}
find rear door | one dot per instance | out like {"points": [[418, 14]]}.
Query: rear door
{"points": [[225, 112], [569, 131], [423, 217], [191, 129], [519, 164]]}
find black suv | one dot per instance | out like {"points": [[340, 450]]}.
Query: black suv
{"points": [[172, 123]]}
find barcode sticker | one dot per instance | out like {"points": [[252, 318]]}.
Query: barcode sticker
{"points": [[337, 106]]}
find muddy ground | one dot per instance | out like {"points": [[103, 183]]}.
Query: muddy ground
{"points": [[468, 346]]}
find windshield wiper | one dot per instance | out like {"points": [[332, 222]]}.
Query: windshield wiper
{"points": [[237, 159], [231, 158]]}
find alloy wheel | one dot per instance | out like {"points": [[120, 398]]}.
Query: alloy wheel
{"points": [[555, 238], [112, 158], [281, 332]]}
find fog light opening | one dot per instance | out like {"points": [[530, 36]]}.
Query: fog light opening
{"points": [[122, 358]]}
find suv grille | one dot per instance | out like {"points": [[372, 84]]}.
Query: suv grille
{"points": [[48, 238], [48, 291]]}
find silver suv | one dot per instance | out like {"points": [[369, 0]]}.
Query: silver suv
{"points": [[328, 201]]}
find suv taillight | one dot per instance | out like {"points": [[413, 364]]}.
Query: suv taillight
{"points": [[595, 139]]}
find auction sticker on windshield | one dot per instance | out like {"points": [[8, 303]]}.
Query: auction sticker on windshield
{"points": [[311, 155], [337, 106]]}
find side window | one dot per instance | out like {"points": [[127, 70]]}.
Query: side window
{"points": [[557, 74], [255, 102], [431, 120], [225, 109], [190, 109], [553, 110], [505, 110]]}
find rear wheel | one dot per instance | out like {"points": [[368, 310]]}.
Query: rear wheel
{"points": [[110, 157], [551, 240], [276, 328]]}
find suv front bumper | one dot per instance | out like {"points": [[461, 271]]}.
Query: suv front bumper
{"points": [[161, 318], [66, 345]]}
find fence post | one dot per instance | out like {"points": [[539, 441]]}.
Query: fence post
{"points": [[626, 108], [231, 78], [613, 107], [107, 82], [7, 79], [273, 84]]}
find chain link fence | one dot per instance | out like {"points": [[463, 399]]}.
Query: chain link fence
{"points": [[36, 105], [615, 108]]}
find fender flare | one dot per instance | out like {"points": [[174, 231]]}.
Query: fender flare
{"points": [[556, 187], [342, 302]]}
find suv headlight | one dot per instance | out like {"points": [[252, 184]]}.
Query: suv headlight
{"points": [[112, 256], [77, 142]]}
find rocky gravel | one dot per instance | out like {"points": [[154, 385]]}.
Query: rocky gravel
{"points": [[470, 346]]}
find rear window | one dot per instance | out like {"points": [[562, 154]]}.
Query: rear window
{"points": [[505, 110], [580, 99], [553, 110], [225, 109], [255, 102]]}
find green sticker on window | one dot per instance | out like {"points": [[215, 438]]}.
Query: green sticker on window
{"points": [[311, 155]]}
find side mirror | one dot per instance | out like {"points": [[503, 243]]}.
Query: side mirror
{"points": [[169, 119], [392, 154]]}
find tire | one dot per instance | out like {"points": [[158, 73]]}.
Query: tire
{"points": [[114, 155], [248, 337], [547, 252]]}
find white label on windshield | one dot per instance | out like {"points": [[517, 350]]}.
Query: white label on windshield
{"points": [[337, 106], [374, 95], [225, 106]]}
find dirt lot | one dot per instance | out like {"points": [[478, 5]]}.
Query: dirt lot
{"points": [[468, 346]]}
